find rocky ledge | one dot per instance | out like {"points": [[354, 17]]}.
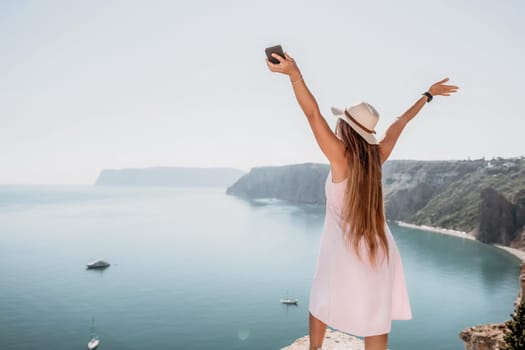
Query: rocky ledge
{"points": [[333, 340], [484, 337]]}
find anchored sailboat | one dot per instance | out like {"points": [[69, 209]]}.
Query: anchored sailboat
{"points": [[94, 342]]}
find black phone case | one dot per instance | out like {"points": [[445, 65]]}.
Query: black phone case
{"points": [[274, 49]]}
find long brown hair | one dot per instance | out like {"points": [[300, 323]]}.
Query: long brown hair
{"points": [[363, 211]]}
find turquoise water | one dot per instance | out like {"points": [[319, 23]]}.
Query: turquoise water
{"points": [[198, 269]]}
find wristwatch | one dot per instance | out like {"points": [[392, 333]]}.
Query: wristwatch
{"points": [[427, 94]]}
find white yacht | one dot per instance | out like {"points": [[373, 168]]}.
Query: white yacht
{"points": [[97, 264]]}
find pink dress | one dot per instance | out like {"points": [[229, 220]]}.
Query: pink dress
{"points": [[347, 294]]}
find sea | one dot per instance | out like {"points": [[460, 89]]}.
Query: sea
{"points": [[196, 268]]}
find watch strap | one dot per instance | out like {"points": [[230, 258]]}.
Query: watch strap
{"points": [[427, 94]]}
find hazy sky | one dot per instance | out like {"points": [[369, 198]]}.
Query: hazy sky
{"points": [[87, 85]]}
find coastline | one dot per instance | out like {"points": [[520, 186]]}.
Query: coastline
{"points": [[446, 231], [520, 254]]}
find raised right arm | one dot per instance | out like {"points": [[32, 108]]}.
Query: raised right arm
{"points": [[330, 145]]}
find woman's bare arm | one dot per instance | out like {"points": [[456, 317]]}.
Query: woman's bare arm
{"points": [[330, 145], [387, 143]]}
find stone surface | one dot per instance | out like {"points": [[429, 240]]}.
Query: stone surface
{"points": [[334, 340], [484, 337]]}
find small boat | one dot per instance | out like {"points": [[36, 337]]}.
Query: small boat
{"points": [[97, 264], [288, 301], [94, 342]]}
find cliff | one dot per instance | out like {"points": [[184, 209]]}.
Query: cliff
{"points": [[501, 221], [448, 193], [298, 183], [169, 176], [483, 197]]}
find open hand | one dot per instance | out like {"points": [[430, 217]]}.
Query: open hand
{"points": [[286, 65], [440, 89]]}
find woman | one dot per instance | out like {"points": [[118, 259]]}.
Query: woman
{"points": [[359, 285]]}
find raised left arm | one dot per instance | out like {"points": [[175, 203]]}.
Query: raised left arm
{"points": [[387, 143]]}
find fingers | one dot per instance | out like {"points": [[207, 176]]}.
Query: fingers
{"points": [[440, 88], [274, 67], [278, 57], [271, 65], [451, 87], [440, 82]]}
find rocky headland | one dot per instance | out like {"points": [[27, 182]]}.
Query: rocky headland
{"points": [[303, 183], [484, 198], [169, 176]]}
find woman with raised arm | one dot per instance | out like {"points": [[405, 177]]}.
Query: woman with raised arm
{"points": [[359, 284]]}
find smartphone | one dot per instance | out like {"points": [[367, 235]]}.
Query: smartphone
{"points": [[274, 49]]}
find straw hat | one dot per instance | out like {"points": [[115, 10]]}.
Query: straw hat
{"points": [[362, 117]]}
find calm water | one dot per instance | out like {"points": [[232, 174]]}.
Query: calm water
{"points": [[198, 269]]}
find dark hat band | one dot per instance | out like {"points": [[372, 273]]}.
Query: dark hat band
{"points": [[360, 125]]}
